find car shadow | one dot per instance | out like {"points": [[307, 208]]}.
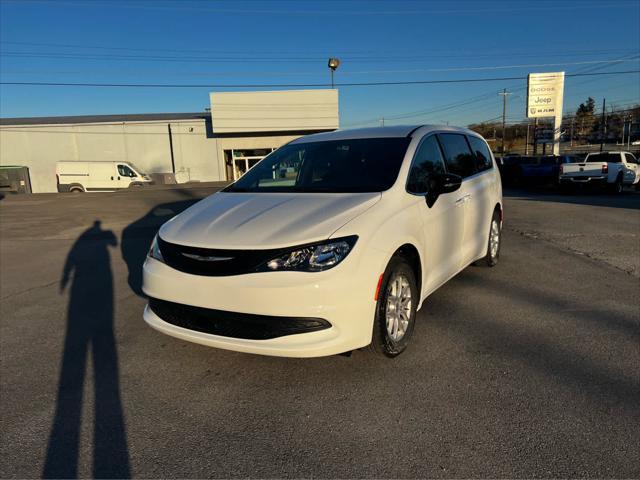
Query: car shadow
{"points": [[137, 237], [498, 338], [90, 318], [629, 199]]}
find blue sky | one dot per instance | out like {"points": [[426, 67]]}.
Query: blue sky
{"points": [[263, 42]]}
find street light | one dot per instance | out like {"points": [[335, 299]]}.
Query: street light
{"points": [[333, 64]]}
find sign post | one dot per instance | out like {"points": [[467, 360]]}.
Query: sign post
{"points": [[545, 92]]}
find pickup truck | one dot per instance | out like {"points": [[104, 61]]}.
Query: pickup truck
{"points": [[612, 170], [533, 170]]}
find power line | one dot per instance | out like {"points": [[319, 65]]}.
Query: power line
{"points": [[267, 59], [183, 6], [297, 85], [360, 72], [375, 54]]}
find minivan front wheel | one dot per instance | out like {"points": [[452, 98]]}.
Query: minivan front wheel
{"points": [[395, 309]]}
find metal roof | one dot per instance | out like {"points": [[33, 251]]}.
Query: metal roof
{"points": [[125, 117]]}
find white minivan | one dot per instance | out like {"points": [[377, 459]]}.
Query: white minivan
{"points": [[98, 176], [329, 244]]}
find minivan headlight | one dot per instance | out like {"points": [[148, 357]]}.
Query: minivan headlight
{"points": [[312, 258], [154, 251]]}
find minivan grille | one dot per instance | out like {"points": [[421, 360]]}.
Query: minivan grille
{"points": [[214, 262], [234, 325]]}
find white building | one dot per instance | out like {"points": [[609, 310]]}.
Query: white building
{"points": [[242, 128]]}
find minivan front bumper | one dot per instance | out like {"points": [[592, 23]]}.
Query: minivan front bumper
{"points": [[202, 309]]}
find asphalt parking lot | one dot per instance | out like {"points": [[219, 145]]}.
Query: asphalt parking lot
{"points": [[530, 369]]}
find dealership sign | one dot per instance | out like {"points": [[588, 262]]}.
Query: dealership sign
{"points": [[545, 94]]}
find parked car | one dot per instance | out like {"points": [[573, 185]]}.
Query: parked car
{"points": [[340, 255], [534, 170], [98, 176], [545, 169], [511, 169], [612, 170]]}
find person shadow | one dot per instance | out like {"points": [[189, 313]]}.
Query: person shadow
{"points": [[90, 318]]}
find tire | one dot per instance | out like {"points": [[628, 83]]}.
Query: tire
{"points": [[76, 190], [495, 235], [398, 276], [618, 187]]}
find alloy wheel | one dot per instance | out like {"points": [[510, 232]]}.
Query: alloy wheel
{"points": [[494, 238], [398, 308]]}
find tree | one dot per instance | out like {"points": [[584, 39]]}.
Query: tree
{"points": [[587, 108], [585, 118]]}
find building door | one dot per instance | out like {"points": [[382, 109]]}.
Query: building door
{"points": [[243, 160]]}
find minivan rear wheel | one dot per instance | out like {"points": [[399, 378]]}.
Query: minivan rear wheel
{"points": [[396, 309]]}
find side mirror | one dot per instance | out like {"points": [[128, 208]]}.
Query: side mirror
{"points": [[442, 183], [448, 182]]}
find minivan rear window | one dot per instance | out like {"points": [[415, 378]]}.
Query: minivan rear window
{"points": [[458, 156], [483, 155], [333, 166]]}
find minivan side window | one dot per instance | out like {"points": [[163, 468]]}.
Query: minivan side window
{"points": [[457, 154], [426, 163], [630, 158], [483, 155], [125, 171]]}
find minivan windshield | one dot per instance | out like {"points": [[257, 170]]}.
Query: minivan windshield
{"points": [[334, 166]]}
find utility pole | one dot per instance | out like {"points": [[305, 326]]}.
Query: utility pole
{"points": [[572, 122], [526, 143], [628, 132], [504, 94], [603, 127], [382, 122], [535, 137]]}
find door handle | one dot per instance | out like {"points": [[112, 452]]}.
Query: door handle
{"points": [[111, 178], [463, 199], [118, 178]]}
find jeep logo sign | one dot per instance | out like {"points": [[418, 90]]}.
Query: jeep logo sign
{"points": [[544, 94]]}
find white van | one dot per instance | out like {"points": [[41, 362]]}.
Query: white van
{"points": [[333, 255], [98, 176]]}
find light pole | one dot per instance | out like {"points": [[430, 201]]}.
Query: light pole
{"points": [[333, 64]]}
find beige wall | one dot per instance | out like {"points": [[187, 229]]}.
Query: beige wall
{"points": [[145, 144], [284, 110]]}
